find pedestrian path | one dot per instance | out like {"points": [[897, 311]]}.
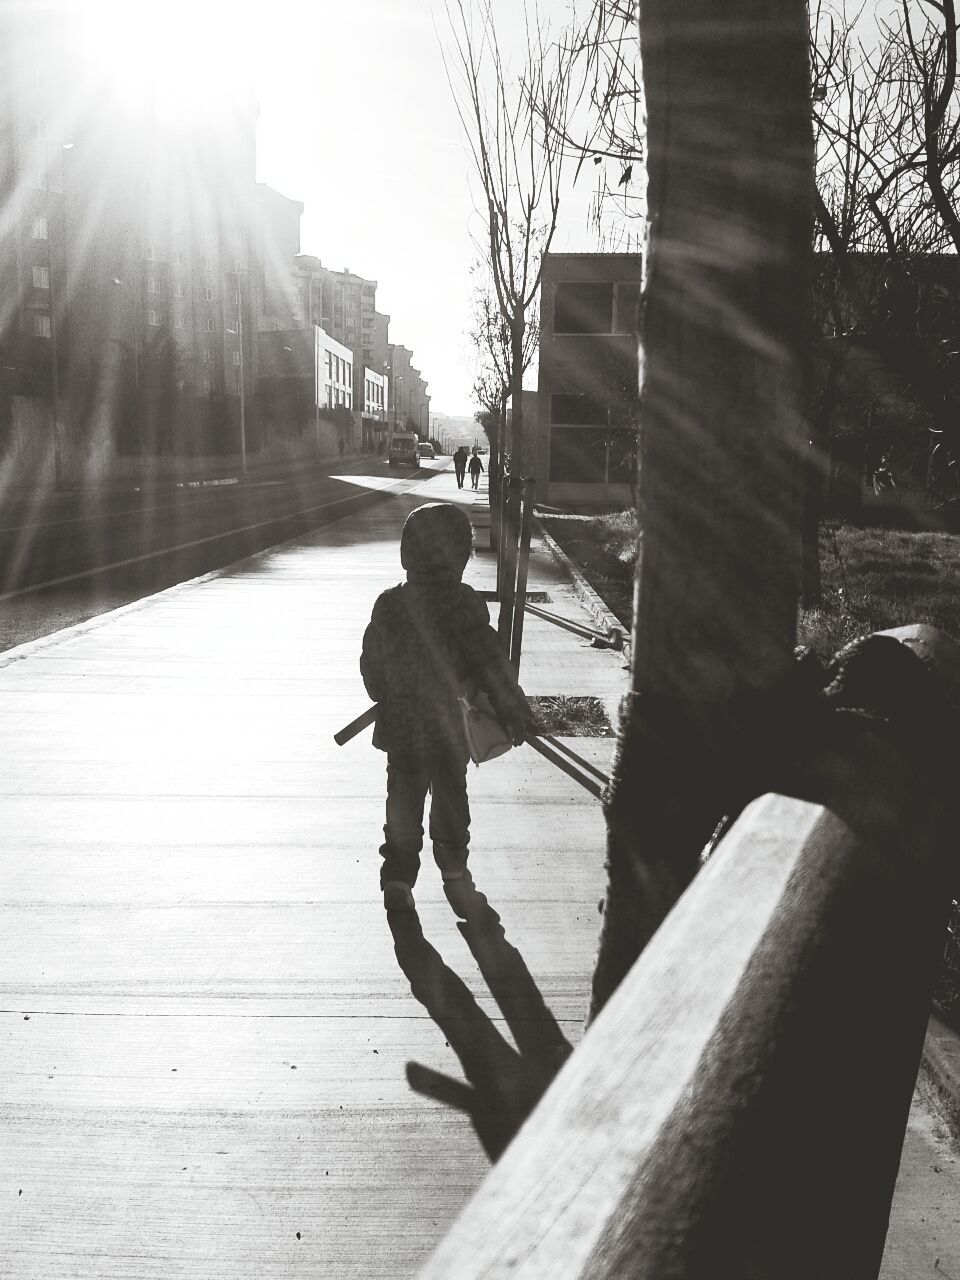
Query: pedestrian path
{"points": [[207, 1023], [206, 1018]]}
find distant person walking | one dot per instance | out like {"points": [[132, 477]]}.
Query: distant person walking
{"points": [[460, 465], [476, 466]]}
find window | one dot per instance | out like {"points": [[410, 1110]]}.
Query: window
{"points": [[41, 326], [576, 410], [593, 455], [236, 357], [209, 324], [237, 266], [207, 386], [628, 308], [41, 229], [203, 261], [150, 253], [583, 308], [41, 277], [178, 257], [208, 293], [578, 455], [153, 317], [178, 321], [178, 289], [329, 366], [207, 356], [151, 284]]}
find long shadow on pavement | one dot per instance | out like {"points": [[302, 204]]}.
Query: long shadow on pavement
{"points": [[504, 1083]]}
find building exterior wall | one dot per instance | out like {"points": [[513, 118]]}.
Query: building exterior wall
{"points": [[399, 370], [588, 383], [126, 232]]}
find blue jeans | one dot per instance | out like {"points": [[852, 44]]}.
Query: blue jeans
{"points": [[408, 782]]}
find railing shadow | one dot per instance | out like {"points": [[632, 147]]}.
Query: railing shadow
{"points": [[503, 1082]]}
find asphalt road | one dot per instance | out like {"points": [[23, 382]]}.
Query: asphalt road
{"points": [[67, 557]]}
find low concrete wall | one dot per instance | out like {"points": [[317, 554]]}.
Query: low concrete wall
{"points": [[738, 1107], [28, 462]]}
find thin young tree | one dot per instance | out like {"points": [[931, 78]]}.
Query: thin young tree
{"points": [[518, 163], [491, 340]]}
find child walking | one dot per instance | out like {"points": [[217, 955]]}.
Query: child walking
{"points": [[428, 641]]}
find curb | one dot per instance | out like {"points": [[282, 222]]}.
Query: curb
{"points": [[941, 1065], [597, 608], [64, 635]]}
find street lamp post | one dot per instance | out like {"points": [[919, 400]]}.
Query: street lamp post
{"points": [[243, 419]]}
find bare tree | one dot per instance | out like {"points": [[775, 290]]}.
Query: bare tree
{"points": [[605, 125], [519, 164], [888, 167], [491, 339]]}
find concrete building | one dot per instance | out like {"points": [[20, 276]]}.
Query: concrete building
{"points": [[401, 376], [344, 305], [306, 382], [127, 238], [587, 391], [376, 406]]}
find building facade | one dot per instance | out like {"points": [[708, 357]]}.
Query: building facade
{"points": [[588, 380], [140, 260]]}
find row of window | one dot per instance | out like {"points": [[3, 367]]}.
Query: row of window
{"points": [[203, 261], [338, 369], [588, 308], [42, 329], [179, 290], [593, 455], [155, 318]]}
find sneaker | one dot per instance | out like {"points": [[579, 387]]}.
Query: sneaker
{"points": [[397, 896]]}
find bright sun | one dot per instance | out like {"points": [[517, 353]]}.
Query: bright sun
{"points": [[186, 57]]}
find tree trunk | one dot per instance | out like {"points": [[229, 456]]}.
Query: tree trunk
{"points": [[493, 483], [725, 340], [508, 584]]}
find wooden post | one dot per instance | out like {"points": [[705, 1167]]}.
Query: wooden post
{"points": [[523, 564], [725, 331]]}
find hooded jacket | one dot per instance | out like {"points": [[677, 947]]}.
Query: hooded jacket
{"points": [[429, 639]]}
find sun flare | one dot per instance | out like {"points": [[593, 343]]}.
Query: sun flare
{"points": [[183, 59]]}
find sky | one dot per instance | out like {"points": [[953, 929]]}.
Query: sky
{"points": [[357, 121]]}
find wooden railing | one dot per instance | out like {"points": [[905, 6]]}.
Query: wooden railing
{"points": [[738, 1107]]}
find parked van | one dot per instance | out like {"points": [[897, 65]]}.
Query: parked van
{"points": [[403, 449], [426, 450]]}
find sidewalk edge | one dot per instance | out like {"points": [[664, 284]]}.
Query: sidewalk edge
{"points": [[595, 605], [29, 647], [942, 1068]]}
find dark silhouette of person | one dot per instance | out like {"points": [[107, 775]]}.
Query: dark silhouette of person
{"points": [[476, 466], [460, 464]]}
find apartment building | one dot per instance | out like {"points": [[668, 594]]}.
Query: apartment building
{"points": [[587, 391], [130, 236], [306, 384], [376, 401], [399, 371]]}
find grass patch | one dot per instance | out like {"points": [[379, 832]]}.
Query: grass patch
{"points": [[571, 717], [874, 579], [604, 549]]}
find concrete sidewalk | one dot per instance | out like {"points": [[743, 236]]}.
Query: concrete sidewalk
{"points": [[206, 1025], [206, 1019]]}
